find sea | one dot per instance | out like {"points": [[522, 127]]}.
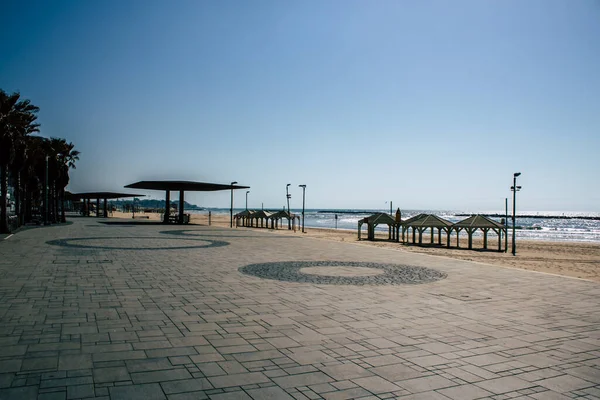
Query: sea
{"points": [[557, 226]]}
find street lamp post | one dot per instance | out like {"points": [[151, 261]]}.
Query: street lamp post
{"points": [[288, 195], [231, 207], [303, 202], [247, 191], [514, 189]]}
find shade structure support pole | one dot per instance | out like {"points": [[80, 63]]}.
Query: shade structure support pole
{"points": [[470, 234], [458, 238], [485, 232], [167, 206], [89, 203], [181, 202], [431, 234], [105, 208], [98, 208], [448, 239]]}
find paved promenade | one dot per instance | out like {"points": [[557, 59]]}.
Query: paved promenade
{"points": [[134, 312]]}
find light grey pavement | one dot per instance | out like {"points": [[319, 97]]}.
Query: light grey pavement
{"points": [[171, 317]]}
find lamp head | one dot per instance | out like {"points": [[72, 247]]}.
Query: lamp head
{"points": [[247, 191], [288, 184], [302, 186], [233, 183], [517, 174]]}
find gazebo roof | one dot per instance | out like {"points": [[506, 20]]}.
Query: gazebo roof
{"points": [[479, 221], [414, 218], [281, 214], [428, 220], [103, 195], [183, 185], [378, 218], [244, 213], [262, 214]]}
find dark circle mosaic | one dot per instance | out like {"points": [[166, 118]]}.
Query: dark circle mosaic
{"points": [[81, 243], [195, 233], [393, 274]]}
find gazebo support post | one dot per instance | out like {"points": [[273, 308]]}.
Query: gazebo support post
{"points": [[439, 236], [448, 239], [470, 235], [485, 232], [181, 202], [105, 209], [499, 232], [167, 207], [457, 238], [98, 207], [431, 235]]}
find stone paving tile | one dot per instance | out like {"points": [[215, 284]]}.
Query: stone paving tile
{"points": [[504, 385], [167, 319], [238, 379], [376, 384], [565, 383], [465, 392], [160, 376], [269, 393], [425, 383], [186, 385], [149, 391]]}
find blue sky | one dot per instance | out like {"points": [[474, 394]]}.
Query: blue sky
{"points": [[364, 102]]}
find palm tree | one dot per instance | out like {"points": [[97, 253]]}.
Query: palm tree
{"points": [[17, 119], [65, 157]]}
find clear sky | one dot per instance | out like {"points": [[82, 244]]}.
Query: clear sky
{"points": [[430, 104]]}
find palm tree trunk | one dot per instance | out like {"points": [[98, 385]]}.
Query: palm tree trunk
{"points": [[62, 205], [18, 199], [3, 199], [55, 198]]}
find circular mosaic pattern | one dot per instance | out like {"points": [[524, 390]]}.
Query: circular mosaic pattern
{"points": [[136, 243], [196, 233], [341, 271], [342, 274]]}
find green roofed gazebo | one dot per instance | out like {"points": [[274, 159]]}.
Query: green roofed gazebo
{"points": [[423, 222], [181, 187], [87, 196], [484, 223]]}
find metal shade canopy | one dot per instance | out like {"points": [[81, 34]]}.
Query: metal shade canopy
{"points": [[181, 187], [103, 195]]}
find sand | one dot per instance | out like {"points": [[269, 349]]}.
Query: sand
{"points": [[574, 259]]}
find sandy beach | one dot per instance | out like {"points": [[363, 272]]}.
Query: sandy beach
{"points": [[574, 259]]}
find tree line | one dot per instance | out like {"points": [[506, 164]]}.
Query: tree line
{"points": [[36, 167]]}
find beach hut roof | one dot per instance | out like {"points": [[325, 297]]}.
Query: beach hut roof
{"points": [[262, 214], [428, 220], [379, 218], [416, 217], [245, 213], [479, 221], [281, 214]]}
